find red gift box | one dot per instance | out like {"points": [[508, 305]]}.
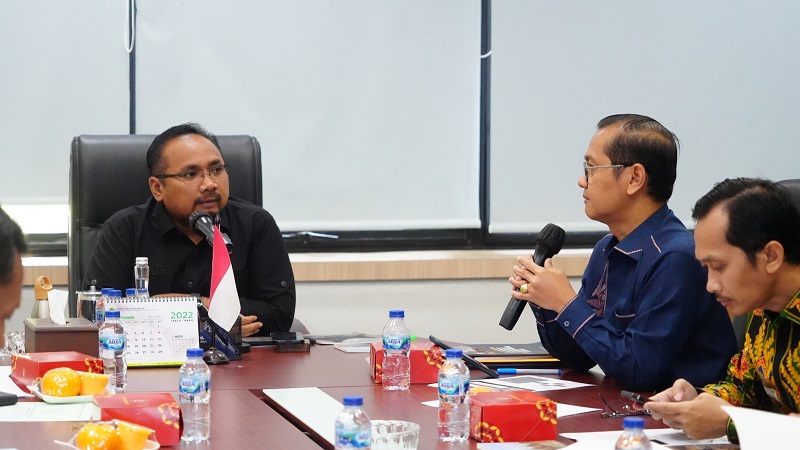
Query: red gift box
{"points": [[512, 416], [426, 360], [28, 368], [156, 410]]}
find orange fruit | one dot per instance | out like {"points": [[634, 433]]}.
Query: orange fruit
{"points": [[93, 383], [132, 436], [61, 382], [97, 436]]}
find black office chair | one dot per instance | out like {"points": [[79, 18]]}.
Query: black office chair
{"points": [[109, 173], [740, 322], [794, 189]]}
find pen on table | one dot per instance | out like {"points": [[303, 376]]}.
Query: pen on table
{"points": [[508, 371]]}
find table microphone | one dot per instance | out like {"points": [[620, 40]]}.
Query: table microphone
{"points": [[200, 221], [548, 242]]}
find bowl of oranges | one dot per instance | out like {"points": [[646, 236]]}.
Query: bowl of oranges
{"points": [[112, 435], [65, 385]]}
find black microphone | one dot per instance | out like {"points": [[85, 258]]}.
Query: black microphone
{"points": [[200, 221], [548, 242]]}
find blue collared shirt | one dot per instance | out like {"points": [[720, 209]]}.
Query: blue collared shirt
{"points": [[643, 313]]}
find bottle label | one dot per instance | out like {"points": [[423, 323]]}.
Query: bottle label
{"points": [[453, 386], [113, 342], [396, 342], [193, 385], [347, 437]]}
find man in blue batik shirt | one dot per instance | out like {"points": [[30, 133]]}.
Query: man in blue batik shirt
{"points": [[642, 313]]}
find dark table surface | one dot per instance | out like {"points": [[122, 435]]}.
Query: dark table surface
{"points": [[242, 418], [380, 404]]}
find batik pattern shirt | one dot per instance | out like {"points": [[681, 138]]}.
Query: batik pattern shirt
{"points": [[766, 374]]}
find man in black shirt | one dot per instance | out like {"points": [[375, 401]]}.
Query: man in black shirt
{"points": [[188, 174]]}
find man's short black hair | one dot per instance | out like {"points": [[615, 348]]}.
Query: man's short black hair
{"points": [[12, 243], [645, 141], [157, 147], [759, 211]]}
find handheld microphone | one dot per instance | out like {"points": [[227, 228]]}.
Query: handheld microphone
{"points": [[548, 243], [200, 221]]}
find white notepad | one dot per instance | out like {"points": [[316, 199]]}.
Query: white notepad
{"points": [[311, 406], [159, 329]]}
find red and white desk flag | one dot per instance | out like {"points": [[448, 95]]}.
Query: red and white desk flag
{"points": [[223, 306]]}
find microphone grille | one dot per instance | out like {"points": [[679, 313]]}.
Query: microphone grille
{"points": [[552, 236], [195, 216]]}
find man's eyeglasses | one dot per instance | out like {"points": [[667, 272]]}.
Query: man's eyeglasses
{"points": [[587, 168], [214, 173], [619, 408]]}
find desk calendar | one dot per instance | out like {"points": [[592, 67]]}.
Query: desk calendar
{"points": [[159, 329]]}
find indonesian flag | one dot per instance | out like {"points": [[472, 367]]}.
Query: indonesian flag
{"points": [[223, 307]]}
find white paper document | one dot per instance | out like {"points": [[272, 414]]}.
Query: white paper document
{"points": [[562, 409], [535, 445], [46, 412], [534, 383], [595, 445], [352, 347], [762, 429], [6, 385], [666, 436]]}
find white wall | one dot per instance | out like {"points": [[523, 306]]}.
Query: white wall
{"points": [[721, 74], [465, 310]]}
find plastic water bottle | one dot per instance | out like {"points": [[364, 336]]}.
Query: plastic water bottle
{"points": [[100, 310], [141, 276], [112, 342], [633, 437], [396, 373], [130, 292], [194, 386], [353, 428], [453, 398], [116, 295]]}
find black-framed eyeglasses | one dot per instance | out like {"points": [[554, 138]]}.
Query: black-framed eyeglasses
{"points": [[587, 168], [619, 408], [214, 173]]}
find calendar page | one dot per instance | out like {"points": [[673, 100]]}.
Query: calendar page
{"points": [[159, 329]]}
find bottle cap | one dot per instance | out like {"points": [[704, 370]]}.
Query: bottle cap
{"points": [[397, 313], [353, 400], [112, 314], [194, 352], [106, 291], [453, 353], [130, 292], [633, 422], [141, 260]]}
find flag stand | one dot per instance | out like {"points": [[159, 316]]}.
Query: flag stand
{"points": [[214, 356], [208, 331]]}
